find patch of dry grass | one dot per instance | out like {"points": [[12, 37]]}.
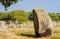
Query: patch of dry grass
{"points": [[29, 32], [22, 31], [26, 33]]}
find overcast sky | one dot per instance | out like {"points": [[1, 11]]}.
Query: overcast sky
{"points": [[28, 5]]}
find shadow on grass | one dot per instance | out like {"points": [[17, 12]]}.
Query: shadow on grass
{"points": [[32, 35], [28, 35]]}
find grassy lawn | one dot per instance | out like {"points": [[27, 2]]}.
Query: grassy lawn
{"points": [[56, 34], [29, 32], [22, 31], [26, 33]]}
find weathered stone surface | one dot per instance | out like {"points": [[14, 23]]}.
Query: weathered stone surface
{"points": [[3, 26], [42, 23]]}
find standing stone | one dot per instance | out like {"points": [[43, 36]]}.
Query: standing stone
{"points": [[3, 27], [42, 23], [2, 24]]}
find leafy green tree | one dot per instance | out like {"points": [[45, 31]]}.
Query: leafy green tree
{"points": [[8, 3], [3, 15], [19, 15], [30, 16], [54, 16]]}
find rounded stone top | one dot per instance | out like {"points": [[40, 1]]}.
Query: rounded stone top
{"points": [[37, 9]]}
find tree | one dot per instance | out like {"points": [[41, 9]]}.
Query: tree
{"points": [[54, 16], [8, 3], [19, 16], [30, 16], [4, 16]]}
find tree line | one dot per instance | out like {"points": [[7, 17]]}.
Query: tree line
{"points": [[23, 16], [15, 15], [55, 16]]}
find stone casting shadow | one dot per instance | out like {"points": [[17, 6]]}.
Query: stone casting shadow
{"points": [[28, 35], [47, 33]]}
